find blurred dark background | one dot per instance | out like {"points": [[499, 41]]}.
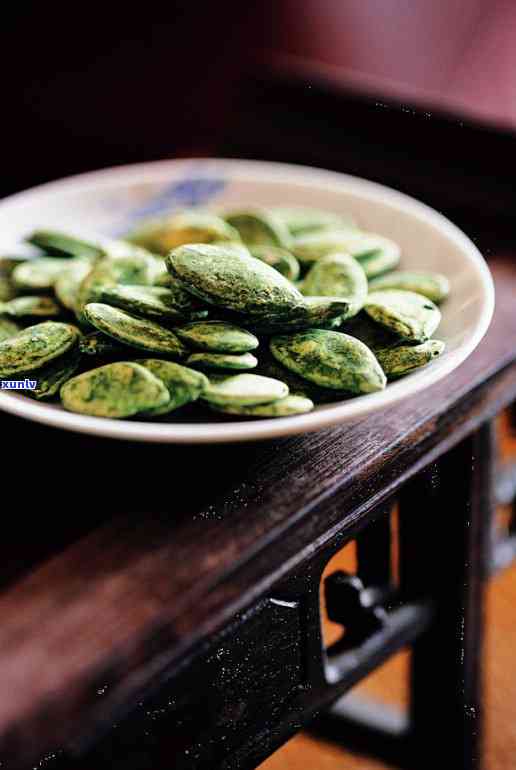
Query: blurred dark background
{"points": [[418, 95]]}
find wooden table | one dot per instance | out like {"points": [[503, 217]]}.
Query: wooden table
{"points": [[163, 601]]}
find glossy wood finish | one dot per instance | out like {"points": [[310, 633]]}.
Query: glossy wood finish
{"points": [[454, 500]]}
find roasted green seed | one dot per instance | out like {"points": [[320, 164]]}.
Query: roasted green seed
{"points": [[333, 324], [338, 275], [410, 315], [283, 407], [101, 274], [31, 306], [370, 333], [7, 329], [9, 262], [238, 389], [260, 227], [186, 304], [297, 385], [115, 390], [435, 286], [217, 337], [7, 289], [239, 361], [190, 226], [232, 280], [136, 269], [63, 245], [363, 246], [280, 259], [311, 246], [184, 385], [37, 274], [67, 283], [312, 312], [402, 359], [137, 332], [330, 359], [379, 262], [36, 346], [100, 345], [50, 377], [301, 219], [149, 301]]}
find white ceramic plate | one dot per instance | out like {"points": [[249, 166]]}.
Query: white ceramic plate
{"points": [[111, 201]]}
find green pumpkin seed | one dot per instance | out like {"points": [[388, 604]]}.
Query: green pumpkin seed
{"points": [[402, 359], [190, 226], [56, 373], [333, 324], [36, 346], [338, 275], [149, 301], [280, 259], [186, 304], [297, 385], [7, 289], [370, 333], [311, 246], [217, 337], [8, 263], [435, 286], [63, 245], [374, 252], [68, 281], [116, 248], [139, 269], [260, 227], [410, 315], [330, 359], [99, 345], [31, 306], [238, 389], [313, 312], [103, 273], [283, 407], [232, 280], [115, 390], [300, 219], [37, 274], [184, 385], [362, 246], [165, 280], [7, 329], [137, 332], [379, 262], [235, 247], [222, 361]]}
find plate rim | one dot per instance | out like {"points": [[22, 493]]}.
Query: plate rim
{"points": [[230, 432]]}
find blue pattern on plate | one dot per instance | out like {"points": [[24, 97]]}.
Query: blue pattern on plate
{"points": [[190, 191]]}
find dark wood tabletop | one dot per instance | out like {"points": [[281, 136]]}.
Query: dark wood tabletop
{"points": [[147, 550]]}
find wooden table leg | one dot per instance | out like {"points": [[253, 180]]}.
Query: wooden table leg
{"points": [[445, 534]]}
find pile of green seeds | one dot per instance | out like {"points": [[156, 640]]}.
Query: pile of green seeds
{"points": [[251, 313]]}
